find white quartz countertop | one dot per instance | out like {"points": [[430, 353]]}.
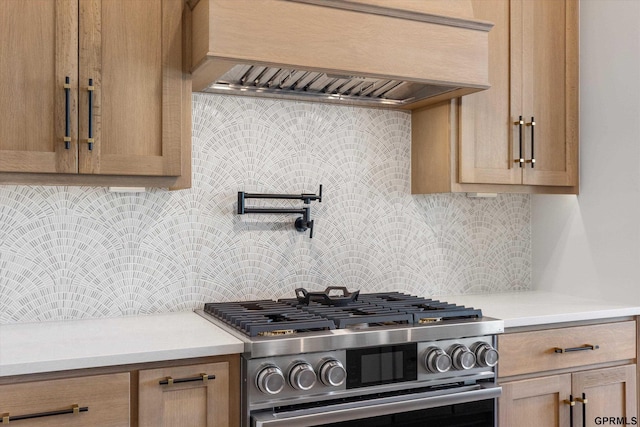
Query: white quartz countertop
{"points": [[541, 308], [27, 348]]}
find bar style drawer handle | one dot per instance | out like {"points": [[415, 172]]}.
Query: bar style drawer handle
{"points": [[75, 409], [570, 349], [203, 377]]}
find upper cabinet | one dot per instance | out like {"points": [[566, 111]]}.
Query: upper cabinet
{"points": [[94, 93], [521, 135]]}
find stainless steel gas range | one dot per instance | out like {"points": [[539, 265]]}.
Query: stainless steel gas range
{"points": [[336, 358]]}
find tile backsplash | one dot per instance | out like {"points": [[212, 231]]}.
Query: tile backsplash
{"points": [[78, 252]]}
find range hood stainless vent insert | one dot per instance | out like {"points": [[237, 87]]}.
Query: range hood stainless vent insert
{"points": [[317, 86]]}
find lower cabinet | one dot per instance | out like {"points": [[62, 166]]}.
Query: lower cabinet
{"points": [[575, 376], [203, 392], [99, 400], [194, 396], [606, 393], [580, 399]]}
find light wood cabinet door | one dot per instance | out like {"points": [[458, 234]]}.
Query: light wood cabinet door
{"points": [[538, 402], [101, 400], [39, 49], [534, 75], [486, 136], [179, 396], [549, 82], [544, 401], [608, 392], [131, 52], [126, 111]]}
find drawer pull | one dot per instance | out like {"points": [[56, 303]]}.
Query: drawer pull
{"points": [[203, 377], [570, 349], [75, 409]]}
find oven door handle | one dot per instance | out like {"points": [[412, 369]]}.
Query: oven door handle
{"points": [[375, 408]]}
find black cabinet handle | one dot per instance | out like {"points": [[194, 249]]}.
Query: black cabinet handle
{"points": [[520, 159], [533, 156], [570, 349], [571, 404], [583, 400], [90, 138], [67, 114], [75, 409], [203, 377]]}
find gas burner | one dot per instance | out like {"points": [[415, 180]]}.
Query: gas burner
{"points": [[423, 310], [335, 308], [355, 313], [267, 318], [276, 333]]}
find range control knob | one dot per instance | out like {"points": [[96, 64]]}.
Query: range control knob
{"points": [[462, 357], [485, 354], [332, 373], [302, 376], [270, 380], [436, 360]]}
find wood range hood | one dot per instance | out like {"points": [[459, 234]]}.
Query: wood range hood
{"points": [[400, 54]]}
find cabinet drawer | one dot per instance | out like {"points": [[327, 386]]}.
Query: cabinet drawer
{"points": [[102, 400], [535, 351]]}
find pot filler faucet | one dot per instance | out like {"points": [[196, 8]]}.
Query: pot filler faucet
{"points": [[302, 223]]}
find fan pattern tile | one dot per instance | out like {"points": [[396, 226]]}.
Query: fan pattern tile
{"points": [[76, 252]]}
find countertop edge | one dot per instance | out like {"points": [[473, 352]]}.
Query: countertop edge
{"points": [[570, 317], [39, 347], [539, 308], [107, 361]]}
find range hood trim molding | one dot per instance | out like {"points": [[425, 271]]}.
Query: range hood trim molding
{"points": [[449, 21]]}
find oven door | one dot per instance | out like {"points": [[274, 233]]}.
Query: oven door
{"points": [[462, 406]]}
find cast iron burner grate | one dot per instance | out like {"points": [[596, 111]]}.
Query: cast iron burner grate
{"points": [[355, 314], [423, 310], [266, 318]]}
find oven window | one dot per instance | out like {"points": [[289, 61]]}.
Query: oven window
{"points": [[472, 414]]}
